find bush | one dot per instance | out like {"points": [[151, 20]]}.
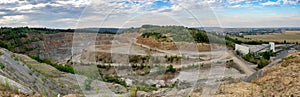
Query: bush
{"points": [[146, 88], [172, 58], [111, 79], [267, 54], [152, 34], [2, 65], [103, 66], [133, 91], [68, 69], [262, 63], [170, 68], [250, 57]]}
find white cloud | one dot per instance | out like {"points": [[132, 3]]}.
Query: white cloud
{"points": [[2, 13], [57, 13], [271, 3], [235, 6], [291, 1], [12, 19], [9, 1], [28, 6], [75, 3], [235, 1]]}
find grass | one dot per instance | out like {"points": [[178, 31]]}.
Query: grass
{"points": [[91, 71], [63, 68], [133, 91], [7, 85]]}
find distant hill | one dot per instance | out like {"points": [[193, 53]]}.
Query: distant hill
{"points": [[249, 30], [103, 30]]}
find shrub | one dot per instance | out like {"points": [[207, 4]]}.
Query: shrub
{"points": [[112, 79], [146, 88], [250, 57], [170, 68], [133, 91], [66, 68], [2, 65], [172, 58], [262, 63], [103, 66], [152, 34], [285, 64], [267, 54]]}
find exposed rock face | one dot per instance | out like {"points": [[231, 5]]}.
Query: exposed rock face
{"points": [[55, 46], [31, 77]]}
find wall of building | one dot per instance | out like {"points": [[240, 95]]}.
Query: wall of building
{"points": [[272, 46], [243, 49]]}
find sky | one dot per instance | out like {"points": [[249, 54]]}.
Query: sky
{"points": [[134, 13]]}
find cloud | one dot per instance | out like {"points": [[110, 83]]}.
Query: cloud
{"points": [[291, 1], [235, 1], [9, 1], [75, 3], [12, 19], [28, 7], [271, 3], [2, 13], [235, 6], [114, 13]]}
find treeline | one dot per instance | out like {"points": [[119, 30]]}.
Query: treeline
{"points": [[52, 31], [40, 30], [11, 38], [178, 34]]}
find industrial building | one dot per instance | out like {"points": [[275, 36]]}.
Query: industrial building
{"points": [[245, 49]]}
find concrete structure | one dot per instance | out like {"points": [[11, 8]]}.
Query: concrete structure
{"points": [[242, 49], [272, 44]]}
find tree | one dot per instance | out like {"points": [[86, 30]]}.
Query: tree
{"points": [[267, 54], [262, 63], [250, 57]]}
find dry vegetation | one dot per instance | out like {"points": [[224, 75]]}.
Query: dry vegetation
{"points": [[280, 80], [289, 36]]}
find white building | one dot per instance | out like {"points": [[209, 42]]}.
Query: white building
{"points": [[244, 49]]}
